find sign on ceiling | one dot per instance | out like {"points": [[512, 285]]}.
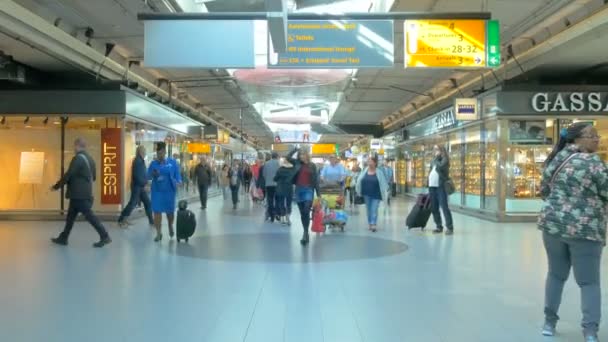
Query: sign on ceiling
{"points": [[324, 149], [197, 44], [466, 109], [452, 43], [335, 44]]}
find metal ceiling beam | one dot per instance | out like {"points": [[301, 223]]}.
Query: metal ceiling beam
{"points": [[277, 24], [314, 16]]}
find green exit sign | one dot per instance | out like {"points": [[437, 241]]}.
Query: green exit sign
{"points": [[493, 44]]}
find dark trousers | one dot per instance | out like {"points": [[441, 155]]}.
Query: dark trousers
{"points": [[271, 200], [84, 207], [138, 194], [584, 258], [283, 202], [247, 185], [439, 200], [235, 194], [203, 189], [305, 210], [350, 192]]}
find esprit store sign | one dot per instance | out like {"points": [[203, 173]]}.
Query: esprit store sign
{"points": [[570, 102], [110, 165]]}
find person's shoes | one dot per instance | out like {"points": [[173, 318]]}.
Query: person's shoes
{"points": [[171, 233], [60, 241], [123, 224], [591, 337], [158, 237], [438, 231], [102, 242], [287, 221], [449, 232], [548, 329], [305, 239]]}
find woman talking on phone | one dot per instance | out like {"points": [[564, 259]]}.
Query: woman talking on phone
{"points": [[165, 175], [438, 178]]}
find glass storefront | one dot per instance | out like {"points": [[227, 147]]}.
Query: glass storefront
{"points": [[496, 162]]}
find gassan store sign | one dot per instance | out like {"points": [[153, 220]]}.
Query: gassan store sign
{"points": [[574, 102], [110, 166]]}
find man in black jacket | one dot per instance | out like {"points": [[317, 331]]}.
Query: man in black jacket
{"points": [[202, 175], [139, 181], [79, 178]]}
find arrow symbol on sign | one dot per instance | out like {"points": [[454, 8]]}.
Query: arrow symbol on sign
{"points": [[493, 61], [477, 60]]}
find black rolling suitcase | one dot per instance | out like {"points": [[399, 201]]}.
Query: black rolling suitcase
{"points": [[420, 213], [186, 222]]}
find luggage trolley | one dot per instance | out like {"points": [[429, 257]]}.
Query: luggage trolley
{"points": [[333, 206]]}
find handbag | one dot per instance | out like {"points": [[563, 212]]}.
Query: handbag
{"points": [[449, 186], [359, 200]]}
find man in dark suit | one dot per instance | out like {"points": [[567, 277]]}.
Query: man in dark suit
{"points": [[79, 179], [139, 181], [202, 175]]}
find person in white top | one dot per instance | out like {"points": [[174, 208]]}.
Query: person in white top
{"points": [[440, 173]]}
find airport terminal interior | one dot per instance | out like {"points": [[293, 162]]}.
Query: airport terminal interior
{"points": [[333, 170]]}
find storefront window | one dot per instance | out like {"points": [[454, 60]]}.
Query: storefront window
{"points": [[138, 133], [490, 166], [527, 153], [30, 155], [89, 128], [456, 152], [418, 169], [472, 168]]}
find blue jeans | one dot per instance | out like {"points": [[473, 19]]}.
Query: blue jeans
{"points": [[372, 205], [439, 200]]}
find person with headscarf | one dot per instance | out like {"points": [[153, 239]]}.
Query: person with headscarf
{"points": [[574, 188], [166, 178]]}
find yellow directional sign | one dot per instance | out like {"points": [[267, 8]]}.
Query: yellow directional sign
{"points": [[445, 43], [322, 149]]}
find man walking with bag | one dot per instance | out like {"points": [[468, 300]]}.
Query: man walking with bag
{"points": [[79, 179]]}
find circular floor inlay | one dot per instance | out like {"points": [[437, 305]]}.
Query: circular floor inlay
{"points": [[286, 248]]}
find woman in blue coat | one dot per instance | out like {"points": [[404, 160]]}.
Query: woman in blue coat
{"points": [[165, 175]]}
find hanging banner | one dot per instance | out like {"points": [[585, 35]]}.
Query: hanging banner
{"points": [[111, 157], [451, 43], [337, 44]]}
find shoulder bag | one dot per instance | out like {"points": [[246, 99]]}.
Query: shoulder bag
{"points": [[449, 186], [561, 166]]}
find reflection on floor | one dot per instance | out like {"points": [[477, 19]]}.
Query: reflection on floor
{"points": [[241, 279]]}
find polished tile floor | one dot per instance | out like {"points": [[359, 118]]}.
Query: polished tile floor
{"points": [[240, 279]]}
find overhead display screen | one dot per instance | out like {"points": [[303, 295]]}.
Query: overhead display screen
{"points": [[452, 43], [337, 44]]}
